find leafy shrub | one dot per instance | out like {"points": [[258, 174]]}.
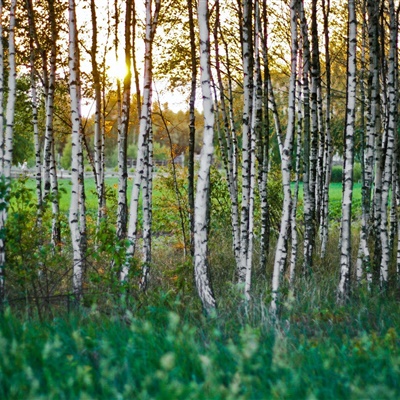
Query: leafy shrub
{"points": [[337, 173]]}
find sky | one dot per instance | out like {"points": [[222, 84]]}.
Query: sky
{"points": [[176, 100]]}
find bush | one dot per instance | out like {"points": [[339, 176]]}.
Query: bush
{"points": [[337, 173], [65, 160]]}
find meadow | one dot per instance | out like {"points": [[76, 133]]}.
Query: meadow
{"points": [[160, 345]]}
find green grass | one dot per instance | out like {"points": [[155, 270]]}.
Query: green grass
{"points": [[335, 192], [159, 345], [169, 351]]}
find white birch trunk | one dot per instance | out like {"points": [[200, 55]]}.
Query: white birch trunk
{"points": [[364, 257], [345, 234], [74, 89], [375, 154], [151, 25], [281, 248], [328, 153], [264, 145], [391, 131], [247, 56], [122, 215], [35, 125], [98, 131], [201, 267], [6, 160], [308, 186], [294, 250], [227, 150], [147, 208]]}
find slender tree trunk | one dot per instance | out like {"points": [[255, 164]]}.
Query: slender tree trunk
{"points": [[151, 25], [264, 146], [308, 185], [98, 131], [147, 206], [374, 156], [391, 132], [286, 156], [74, 89], [248, 62], [49, 164], [293, 220], [192, 127], [6, 141], [328, 151], [36, 135], [256, 127], [227, 151], [201, 267], [345, 233], [122, 215]]}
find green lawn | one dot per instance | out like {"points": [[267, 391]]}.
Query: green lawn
{"points": [[335, 192]]}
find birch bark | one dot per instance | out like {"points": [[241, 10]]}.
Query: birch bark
{"points": [[248, 62], [74, 89], [98, 131], [328, 151], [6, 142], [345, 233], [391, 131], [151, 25], [122, 215], [201, 267], [192, 126], [281, 249]]}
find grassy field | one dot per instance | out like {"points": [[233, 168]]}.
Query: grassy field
{"points": [[335, 192], [159, 345], [168, 350]]}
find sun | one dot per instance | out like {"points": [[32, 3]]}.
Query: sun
{"points": [[116, 69]]}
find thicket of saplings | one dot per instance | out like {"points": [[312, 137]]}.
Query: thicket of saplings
{"points": [[120, 343]]}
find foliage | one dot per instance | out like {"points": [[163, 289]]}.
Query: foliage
{"points": [[34, 267], [172, 351], [65, 160], [337, 173], [125, 344], [23, 132]]}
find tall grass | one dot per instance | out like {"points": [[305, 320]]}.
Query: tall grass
{"points": [[167, 351], [159, 345]]}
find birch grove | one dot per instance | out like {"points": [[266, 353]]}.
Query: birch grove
{"points": [[299, 101]]}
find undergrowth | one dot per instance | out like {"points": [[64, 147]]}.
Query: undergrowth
{"points": [[120, 344], [161, 348]]}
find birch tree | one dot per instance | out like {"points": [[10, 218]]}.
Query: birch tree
{"points": [[247, 154], [74, 89], [392, 84], [6, 139], [98, 125], [286, 156], [348, 162], [201, 265], [122, 215], [328, 151], [144, 129], [192, 126]]}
